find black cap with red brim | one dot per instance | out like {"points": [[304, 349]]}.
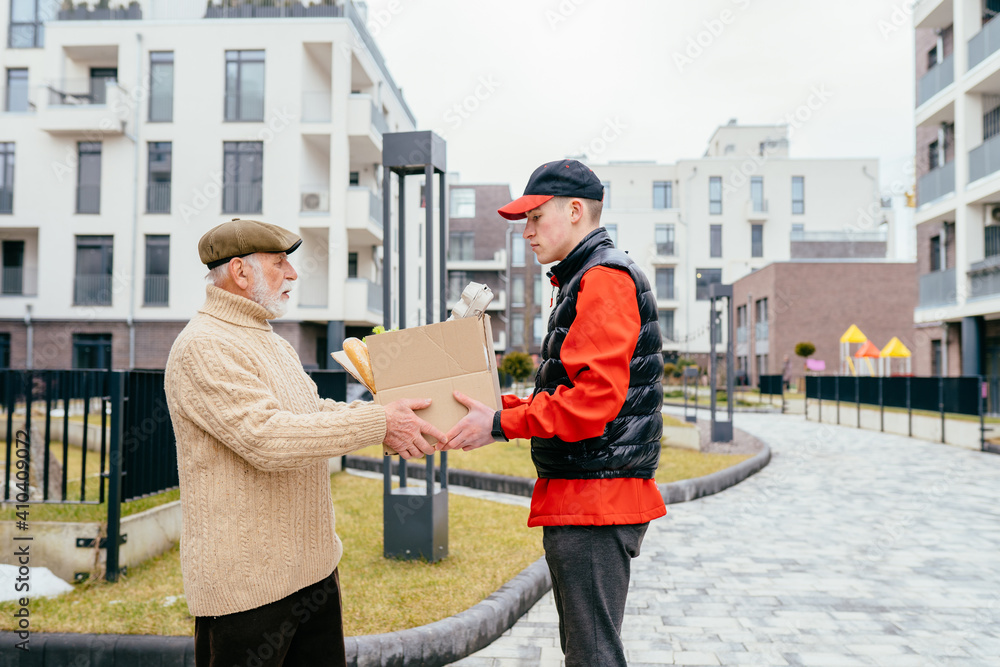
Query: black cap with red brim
{"points": [[566, 178]]}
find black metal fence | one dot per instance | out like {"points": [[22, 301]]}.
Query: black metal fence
{"points": [[943, 395], [771, 384]]}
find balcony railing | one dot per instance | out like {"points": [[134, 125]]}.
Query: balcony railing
{"points": [[242, 198], [761, 331], [92, 290], [742, 334], [985, 42], [82, 13], [936, 79], [161, 107], [847, 235], [374, 297], [379, 121], [247, 106], [6, 200], [984, 159], [291, 10], [991, 238], [13, 280], [936, 183], [937, 288], [88, 199], [758, 205], [665, 249], [317, 107], [156, 291], [80, 92], [375, 207], [158, 198]]}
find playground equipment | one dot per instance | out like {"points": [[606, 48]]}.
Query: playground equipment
{"points": [[895, 349], [867, 351], [853, 336]]}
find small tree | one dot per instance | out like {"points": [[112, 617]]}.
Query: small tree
{"points": [[518, 365], [804, 349]]}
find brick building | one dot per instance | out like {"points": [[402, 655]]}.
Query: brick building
{"points": [[785, 303]]}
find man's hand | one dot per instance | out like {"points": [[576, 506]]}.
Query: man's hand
{"points": [[474, 429], [404, 429]]}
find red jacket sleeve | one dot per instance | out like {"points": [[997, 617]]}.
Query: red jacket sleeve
{"points": [[596, 355]]}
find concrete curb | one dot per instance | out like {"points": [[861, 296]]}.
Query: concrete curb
{"points": [[767, 409], [432, 645]]}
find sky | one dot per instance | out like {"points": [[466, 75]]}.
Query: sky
{"points": [[511, 84]]}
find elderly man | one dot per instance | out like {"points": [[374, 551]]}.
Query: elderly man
{"points": [[259, 551]]}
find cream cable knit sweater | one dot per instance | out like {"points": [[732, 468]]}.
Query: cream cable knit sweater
{"points": [[253, 439]]}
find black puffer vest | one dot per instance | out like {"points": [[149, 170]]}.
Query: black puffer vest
{"points": [[630, 444]]}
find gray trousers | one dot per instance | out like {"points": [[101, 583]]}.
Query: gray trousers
{"points": [[590, 568]]}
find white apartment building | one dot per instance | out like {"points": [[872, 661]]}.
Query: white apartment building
{"points": [[741, 206], [957, 119], [126, 134]]}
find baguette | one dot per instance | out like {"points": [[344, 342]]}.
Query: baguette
{"points": [[357, 352]]}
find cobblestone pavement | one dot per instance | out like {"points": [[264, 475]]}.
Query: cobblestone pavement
{"points": [[851, 548]]}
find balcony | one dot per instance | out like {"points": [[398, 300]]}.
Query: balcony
{"points": [[761, 331], [936, 183], [317, 107], [932, 13], [78, 106], [984, 159], [156, 290], [362, 302], [984, 278], [82, 13], [92, 290], [742, 334], [158, 198], [756, 210], [364, 217], [18, 281], [497, 263], [984, 43], [936, 79], [365, 127], [937, 289]]}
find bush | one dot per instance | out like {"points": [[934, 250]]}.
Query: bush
{"points": [[804, 349], [670, 370], [518, 365]]}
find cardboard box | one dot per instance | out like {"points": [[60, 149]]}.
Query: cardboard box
{"points": [[432, 361]]}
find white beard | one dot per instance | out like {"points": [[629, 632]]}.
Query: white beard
{"points": [[270, 301]]}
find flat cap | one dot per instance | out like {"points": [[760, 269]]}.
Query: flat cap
{"points": [[238, 238]]}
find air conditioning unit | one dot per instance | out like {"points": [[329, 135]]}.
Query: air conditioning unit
{"points": [[315, 201], [994, 213]]}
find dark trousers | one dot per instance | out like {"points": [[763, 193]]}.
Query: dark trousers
{"points": [[590, 567], [304, 629]]}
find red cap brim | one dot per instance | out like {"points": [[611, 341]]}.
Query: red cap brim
{"points": [[518, 208]]}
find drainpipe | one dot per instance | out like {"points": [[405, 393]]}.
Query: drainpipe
{"points": [[134, 137], [31, 338]]}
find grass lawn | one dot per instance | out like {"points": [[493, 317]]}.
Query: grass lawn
{"points": [[488, 544], [76, 512], [514, 458]]}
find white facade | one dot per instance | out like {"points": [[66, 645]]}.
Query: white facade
{"points": [[318, 123], [840, 206]]}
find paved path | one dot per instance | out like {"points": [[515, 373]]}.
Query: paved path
{"points": [[850, 548]]}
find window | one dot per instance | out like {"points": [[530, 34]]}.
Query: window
{"points": [[93, 271], [665, 240], [760, 317], [715, 240], [663, 194], [4, 350], [352, 265], [798, 195], [244, 85], [665, 283], [158, 183], [17, 90], [607, 193], [667, 325], [100, 77], [517, 331], [936, 360], [27, 18], [935, 253], [933, 152], [715, 195], [92, 351], [463, 203], [517, 290], [243, 176], [461, 246], [704, 278], [157, 290], [7, 177], [536, 330], [757, 240], [88, 187], [612, 231], [932, 57], [420, 239], [757, 194], [354, 178], [517, 251], [457, 282], [536, 293], [798, 231], [161, 86], [13, 268]]}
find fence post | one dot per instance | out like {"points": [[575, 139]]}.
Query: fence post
{"points": [[881, 407], [836, 392], [941, 404], [909, 409], [819, 396], [117, 393], [982, 419], [857, 397]]}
